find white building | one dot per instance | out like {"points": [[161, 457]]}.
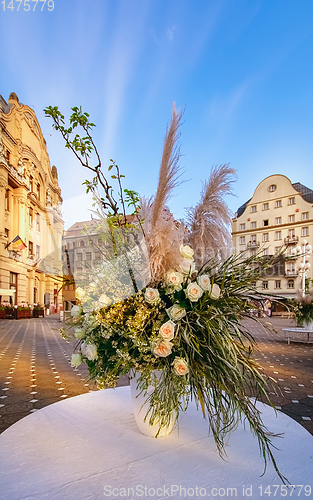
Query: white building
{"points": [[279, 214]]}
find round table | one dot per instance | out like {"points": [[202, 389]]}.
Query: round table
{"points": [[89, 447]]}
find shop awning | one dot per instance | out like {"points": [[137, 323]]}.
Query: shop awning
{"points": [[7, 292]]}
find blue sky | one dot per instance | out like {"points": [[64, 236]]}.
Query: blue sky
{"points": [[242, 69]]}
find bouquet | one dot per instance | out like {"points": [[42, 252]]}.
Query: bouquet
{"points": [[303, 308], [169, 296]]}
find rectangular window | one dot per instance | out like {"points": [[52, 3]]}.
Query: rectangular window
{"points": [[253, 238], [38, 222], [291, 201], [291, 268], [88, 256], [253, 252], [79, 256], [278, 220], [291, 284], [253, 208], [31, 184], [253, 225], [7, 200], [278, 204], [265, 236], [291, 218], [291, 233], [265, 251], [265, 285], [7, 232], [265, 222], [242, 227], [242, 254], [97, 255], [305, 216], [277, 249], [265, 206], [13, 286], [277, 235], [38, 191], [242, 240], [8, 155], [305, 231], [278, 284], [37, 252], [30, 248], [31, 217]]}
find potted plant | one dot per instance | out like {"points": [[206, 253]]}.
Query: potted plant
{"points": [[38, 311], [9, 312], [303, 310], [160, 308], [23, 312], [2, 312]]}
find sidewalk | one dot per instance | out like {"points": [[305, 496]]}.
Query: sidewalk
{"points": [[35, 369]]}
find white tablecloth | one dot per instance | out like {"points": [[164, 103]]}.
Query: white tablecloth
{"points": [[88, 447]]}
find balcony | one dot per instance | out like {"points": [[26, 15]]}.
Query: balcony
{"points": [[13, 254], [253, 244], [291, 240], [291, 273]]}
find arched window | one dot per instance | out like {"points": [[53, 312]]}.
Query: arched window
{"points": [[82, 243]]}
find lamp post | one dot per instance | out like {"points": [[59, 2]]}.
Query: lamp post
{"points": [[304, 253]]}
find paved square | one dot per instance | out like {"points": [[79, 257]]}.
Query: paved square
{"points": [[35, 369]]}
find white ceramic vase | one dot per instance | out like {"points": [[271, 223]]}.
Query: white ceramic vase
{"points": [[308, 325], [140, 408]]}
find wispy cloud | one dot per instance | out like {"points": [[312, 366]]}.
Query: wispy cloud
{"points": [[225, 106], [170, 32], [124, 51]]}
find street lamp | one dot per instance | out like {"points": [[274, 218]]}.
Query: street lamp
{"points": [[304, 252]]}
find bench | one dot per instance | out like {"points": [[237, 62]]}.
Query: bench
{"points": [[297, 330]]}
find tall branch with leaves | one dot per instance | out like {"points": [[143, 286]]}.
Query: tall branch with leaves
{"points": [[84, 148]]}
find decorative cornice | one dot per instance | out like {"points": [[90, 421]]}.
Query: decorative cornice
{"points": [[6, 133], [21, 179]]}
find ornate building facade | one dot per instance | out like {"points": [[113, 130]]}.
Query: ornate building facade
{"points": [[278, 217], [31, 224]]}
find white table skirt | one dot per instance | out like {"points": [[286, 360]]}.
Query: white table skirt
{"points": [[89, 447]]}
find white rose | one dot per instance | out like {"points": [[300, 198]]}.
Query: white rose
{"points": [[176, 312], [90, 322], [186, 252], [90, 351], [104, 300], [193, 292], [187, 266], [174, 278], [79, 333], [152, 296], [167, 330], [76, 311], [180, 366], [76, 360], [215, 292], [204, 281], [92, 287], [163, 349], [80, 293]]}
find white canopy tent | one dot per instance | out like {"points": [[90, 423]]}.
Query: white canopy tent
{"points": [[7, 292]]}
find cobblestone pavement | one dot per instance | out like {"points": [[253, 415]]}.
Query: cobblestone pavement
{"points": [[35, 369]]}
